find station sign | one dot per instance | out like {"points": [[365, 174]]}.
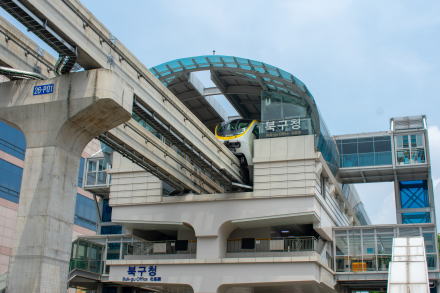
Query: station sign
{"points": [[142, 273], [285, 127], [43, 89]]}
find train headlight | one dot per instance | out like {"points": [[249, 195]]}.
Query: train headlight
{"points": [[233, 145]]}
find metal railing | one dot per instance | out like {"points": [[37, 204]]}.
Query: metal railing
{"points": [[160, 249], [271, 247], [93, 266]]}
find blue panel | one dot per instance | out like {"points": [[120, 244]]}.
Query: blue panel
{"points": [[10, 181], [366, 159], [12, 141], [81, 172], [114, 229], [350, 160], [85, 212], [382, 158], [414, 194], [416, 218]]}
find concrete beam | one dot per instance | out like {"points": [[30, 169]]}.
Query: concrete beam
{"points": [[97, 48], [19, 52], [57, 126]]}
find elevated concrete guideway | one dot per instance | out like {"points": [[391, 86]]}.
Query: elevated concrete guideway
{"points": [[141, 146], [76, 108], [97, 48]]}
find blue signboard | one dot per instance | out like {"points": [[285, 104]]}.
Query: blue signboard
{"points": [[43, 89], [142, 274]]}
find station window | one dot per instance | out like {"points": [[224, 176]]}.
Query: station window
{"points": [[10, 181], [283, 115], [410, 149], [365, 151]]}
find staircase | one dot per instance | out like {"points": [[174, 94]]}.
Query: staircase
{"points": [[408, 271]]}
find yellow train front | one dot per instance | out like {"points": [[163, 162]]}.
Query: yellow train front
{"points": [[238, 135]]}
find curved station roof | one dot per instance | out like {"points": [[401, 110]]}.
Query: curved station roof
{"points": [[239, 80]]}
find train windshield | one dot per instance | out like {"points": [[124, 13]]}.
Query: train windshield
{"points": [[233, 127]]}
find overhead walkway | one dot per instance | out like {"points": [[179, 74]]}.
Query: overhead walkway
{"points": [[198, 162], [395, 155]]}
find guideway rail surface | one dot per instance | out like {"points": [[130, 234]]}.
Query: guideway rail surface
{"points": [[97, 48]]}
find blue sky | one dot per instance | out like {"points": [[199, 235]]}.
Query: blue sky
{"points": [[364, 61]]}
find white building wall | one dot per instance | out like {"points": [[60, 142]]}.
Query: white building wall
{"points": [[131, 184]]}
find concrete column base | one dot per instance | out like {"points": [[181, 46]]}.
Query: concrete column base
{"points": [[44, 224], [57, 127]]}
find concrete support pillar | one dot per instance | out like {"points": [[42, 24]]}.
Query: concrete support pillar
{"points": [[213, 246], [209, 248], [57, 126], [44, 223]]}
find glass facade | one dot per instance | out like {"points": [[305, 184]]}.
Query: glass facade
{"points": [[370, 248], [284, 115], [85, 212], [12, 141], [10, 181], [410, 149], [365, 151]]}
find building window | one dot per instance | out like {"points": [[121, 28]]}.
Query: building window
{"points": [[85, 212], [113, 229], [10, 181], [97, 172], [12, 141], [410, 149], [106, 211]]}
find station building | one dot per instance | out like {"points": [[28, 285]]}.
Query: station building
{"points": [[298, 224]]}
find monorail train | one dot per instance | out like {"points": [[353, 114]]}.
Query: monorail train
{"points": [[238, 135]]}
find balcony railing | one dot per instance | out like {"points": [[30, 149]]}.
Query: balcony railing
{"points": [[271, 247], [94, 266], [160, 249]]}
